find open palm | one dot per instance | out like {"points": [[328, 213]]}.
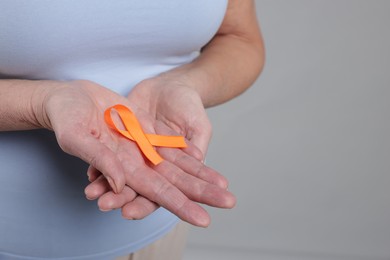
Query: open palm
{"points": [[75, 113]]}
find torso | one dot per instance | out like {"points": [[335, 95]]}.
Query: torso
{"points": [[44, 212]]}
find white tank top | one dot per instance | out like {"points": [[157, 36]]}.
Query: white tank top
{"points": [[43, 209]]}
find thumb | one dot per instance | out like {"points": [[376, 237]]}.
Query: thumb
{"points": [[200, 137]]}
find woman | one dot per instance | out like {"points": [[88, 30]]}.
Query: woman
{"points": [[62, 64]]}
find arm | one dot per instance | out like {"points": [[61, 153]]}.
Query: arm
{"points": [[229, 63], [74, 111], [17, 109], [32, 104], [227, 66]]}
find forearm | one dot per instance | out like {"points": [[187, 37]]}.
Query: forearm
{"points": [[21, 104], [225, 69], [231, 62]]}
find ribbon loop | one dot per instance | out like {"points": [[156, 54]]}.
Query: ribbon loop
{"points": [[135, 133]]}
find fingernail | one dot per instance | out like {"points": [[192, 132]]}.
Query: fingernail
{"points": [[105, 210], [89, 198], [89, 177], [112, 184]]}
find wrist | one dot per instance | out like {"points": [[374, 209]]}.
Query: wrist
{"points": [[40, 100], [21, 103], [37, 110], [196, 78]]}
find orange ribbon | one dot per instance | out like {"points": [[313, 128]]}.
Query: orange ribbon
{"points": [[135, 133]]}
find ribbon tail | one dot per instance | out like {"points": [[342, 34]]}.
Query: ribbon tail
{"points": [[167, 141]]}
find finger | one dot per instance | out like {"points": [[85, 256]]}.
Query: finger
{"points": [[153, 186], [200, 137], [90, 149], [191, 148], [110, 200], [192, 166], [139, 208], [93, 173], [193, 151], [97, 188], [196, 189]]}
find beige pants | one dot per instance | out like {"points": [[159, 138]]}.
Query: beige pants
{"points": [[171, 246]]}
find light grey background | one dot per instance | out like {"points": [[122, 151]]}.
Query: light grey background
{"points": [[307, 148]]}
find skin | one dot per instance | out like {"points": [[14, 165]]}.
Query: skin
{"points": [[178, 97], [73, 110], [171, 103]]}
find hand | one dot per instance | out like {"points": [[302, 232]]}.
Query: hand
{"points": [[171, 100], [180, 108], [75, 110]]}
